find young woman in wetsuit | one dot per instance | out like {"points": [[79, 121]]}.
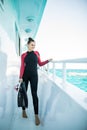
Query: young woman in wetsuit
{"points": [[28, 73]]}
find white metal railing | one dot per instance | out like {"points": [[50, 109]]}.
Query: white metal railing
{"points": [[79, 95], [64, 68]]}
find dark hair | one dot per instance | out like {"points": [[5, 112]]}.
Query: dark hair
{"points": [[30, 40]]}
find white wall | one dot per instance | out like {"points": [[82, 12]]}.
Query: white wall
{"points": [[57, 109], [8, 59]]}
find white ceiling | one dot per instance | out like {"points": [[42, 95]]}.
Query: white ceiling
{"points": [[29, 16]]}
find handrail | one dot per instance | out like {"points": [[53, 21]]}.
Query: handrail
{"points": [[78, 60], [64, 63]]}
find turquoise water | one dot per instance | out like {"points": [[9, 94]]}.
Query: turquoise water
{"points": [[77, 77]]}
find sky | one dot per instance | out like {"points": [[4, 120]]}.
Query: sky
{"points": [[62, 33]]}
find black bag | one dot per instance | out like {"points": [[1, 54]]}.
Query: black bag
{"points": [[22, 99]]}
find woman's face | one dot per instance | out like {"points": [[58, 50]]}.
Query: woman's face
{"points": [[31, 46]]}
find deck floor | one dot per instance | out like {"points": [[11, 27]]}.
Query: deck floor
{"points": [[56, 109]]}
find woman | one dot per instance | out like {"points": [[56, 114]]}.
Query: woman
{"points": [[28, 73]]}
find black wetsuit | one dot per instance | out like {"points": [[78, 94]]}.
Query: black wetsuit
{"points": [[30, 74]]}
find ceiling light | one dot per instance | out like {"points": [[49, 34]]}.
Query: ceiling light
{"points": [[30, 18], [28, 30]]}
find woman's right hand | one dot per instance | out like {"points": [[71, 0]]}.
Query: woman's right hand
{"points": [[20, 80]]}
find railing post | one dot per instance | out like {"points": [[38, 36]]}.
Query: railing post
{"points": [[64, 74], [48, 68], [54, 70]]}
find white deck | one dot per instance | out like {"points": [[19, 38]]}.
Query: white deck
{"points": [[57, 110]]}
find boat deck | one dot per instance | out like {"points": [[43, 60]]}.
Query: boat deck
{"points": [[57, 110]]}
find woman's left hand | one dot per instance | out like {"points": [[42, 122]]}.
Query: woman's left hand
{"points": [[50, 59]]}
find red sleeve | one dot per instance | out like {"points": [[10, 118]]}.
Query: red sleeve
{"points": [[41, 63], [22, 67]]}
